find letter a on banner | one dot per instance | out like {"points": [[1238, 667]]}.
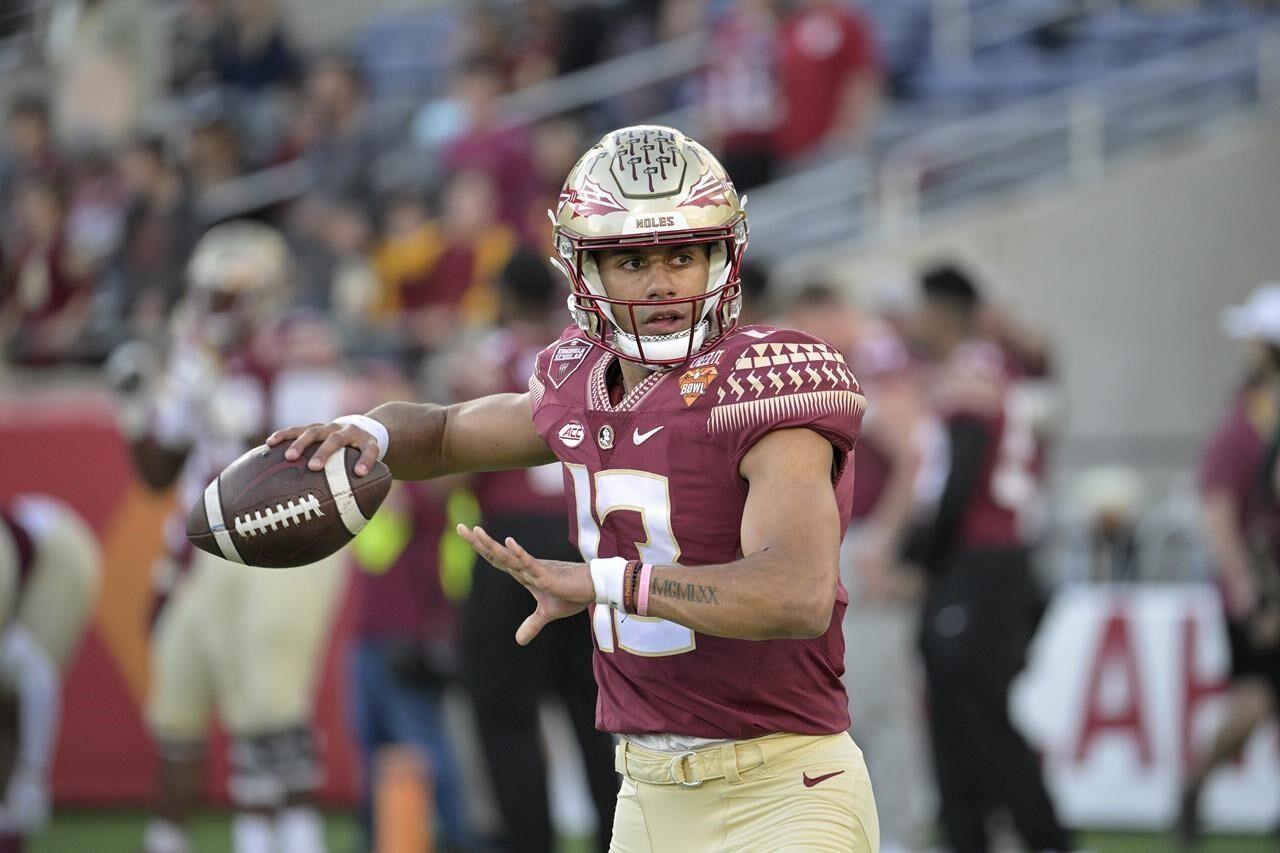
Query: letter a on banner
{"points": [[1114, 653]]}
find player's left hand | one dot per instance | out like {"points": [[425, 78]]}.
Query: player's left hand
{"points": [[560, 589]]}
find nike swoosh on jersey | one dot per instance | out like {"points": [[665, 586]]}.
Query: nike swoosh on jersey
{"points": [[641, 437], [809, 783]]}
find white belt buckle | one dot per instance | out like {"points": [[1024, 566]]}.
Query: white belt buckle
{"points": [[671, 769]]}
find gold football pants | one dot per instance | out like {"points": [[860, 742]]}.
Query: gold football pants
{"points": [[57, 598], [244, 640], [778, 792]]}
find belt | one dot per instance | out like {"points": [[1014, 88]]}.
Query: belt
{"points": [[689, 768]]}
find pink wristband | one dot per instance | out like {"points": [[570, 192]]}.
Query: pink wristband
{"points": [[642, 599]]}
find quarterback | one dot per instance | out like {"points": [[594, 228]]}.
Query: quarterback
{"points": [[707, 471]]}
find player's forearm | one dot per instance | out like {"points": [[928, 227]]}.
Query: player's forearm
{"points": [[416, 433], [765, 596], [490, 433]]}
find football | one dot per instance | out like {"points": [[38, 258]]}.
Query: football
{"points": [[264, 510]]}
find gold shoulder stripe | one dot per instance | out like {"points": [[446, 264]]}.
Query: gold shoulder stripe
{"points": [[731, 416]]}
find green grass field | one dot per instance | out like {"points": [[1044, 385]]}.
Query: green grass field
{"points": [[120, 831]]}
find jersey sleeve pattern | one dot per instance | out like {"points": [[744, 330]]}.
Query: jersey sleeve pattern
{"points": [[794, 382]]}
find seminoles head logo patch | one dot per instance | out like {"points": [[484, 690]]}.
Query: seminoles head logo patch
{"points": [[565, 359], [694, 383]]}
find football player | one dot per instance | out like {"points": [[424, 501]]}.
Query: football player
{"points": [[1240, 513], [982, 601], [228, 636], [881, 662], [49, 573], [708, 482], [505, 682]]}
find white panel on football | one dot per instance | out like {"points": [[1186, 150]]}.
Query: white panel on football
{"points": [[213, 510], [335, 471]]}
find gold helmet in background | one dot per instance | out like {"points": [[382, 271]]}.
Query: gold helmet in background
{"points": [[237, 279]]}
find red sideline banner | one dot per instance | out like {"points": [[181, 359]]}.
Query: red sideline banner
{"points": [[1124, 686], [66, 444]]}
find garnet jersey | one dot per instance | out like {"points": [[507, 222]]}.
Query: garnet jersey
{"points": [[655, 477], [1233, 460], [975, 385]]}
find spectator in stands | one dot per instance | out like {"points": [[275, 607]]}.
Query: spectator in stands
{"points": [[741, 102], [1241, 515], [533, 54], [29, 154], [404, 651], [216, 155], [250, 49], [506, 681], [109, 63], [581, 45], [406, 250], [343, 149], [46, 293], [194, 23], [252, 61], [96, 211], [556, 145], [161, 228], [982, 602], [438, 277], [830, 80], [332, 239], [488, 142]]}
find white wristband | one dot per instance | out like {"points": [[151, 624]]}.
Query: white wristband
{"points": [[606, 576], [369, 425]]}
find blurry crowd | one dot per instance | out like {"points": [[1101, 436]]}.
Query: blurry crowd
{"points": [[402, 184]]}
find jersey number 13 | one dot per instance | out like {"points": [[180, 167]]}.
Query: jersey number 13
{"points": [[649, 495]]}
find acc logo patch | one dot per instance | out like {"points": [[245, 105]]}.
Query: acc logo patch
{"points": [[572, 434], [694, 383], [565, 360]]}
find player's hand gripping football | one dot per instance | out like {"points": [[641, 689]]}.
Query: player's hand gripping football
{"points": [[332, 438], [559, 589]]}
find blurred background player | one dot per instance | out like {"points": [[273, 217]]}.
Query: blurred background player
{"points": [[405, 648], [229, 637], [881, 665], [507, 681], [982, 602], [1241, 518], [49, 574]]}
